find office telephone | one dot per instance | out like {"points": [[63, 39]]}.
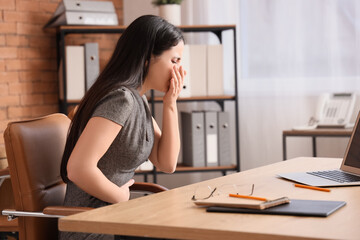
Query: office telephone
{"points": [[334, 111]]}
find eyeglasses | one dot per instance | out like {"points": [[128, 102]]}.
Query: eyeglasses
{"points": [[206, 192]]}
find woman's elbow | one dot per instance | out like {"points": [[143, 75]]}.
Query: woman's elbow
{"points": [[168, 168]]}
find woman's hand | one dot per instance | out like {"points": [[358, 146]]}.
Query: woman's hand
{"points": [[176, 84]]}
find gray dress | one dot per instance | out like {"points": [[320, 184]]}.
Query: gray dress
{"points": [[131, 147]]}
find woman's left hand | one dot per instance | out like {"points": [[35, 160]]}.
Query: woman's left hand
{"points": [[176, 84]]}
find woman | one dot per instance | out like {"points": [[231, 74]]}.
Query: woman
{"points": [[113, 132]]}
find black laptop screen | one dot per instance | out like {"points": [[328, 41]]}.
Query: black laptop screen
{"points": [[353, 156]]}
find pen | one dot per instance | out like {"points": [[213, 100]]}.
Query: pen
{"points": [[248, 197], [313, 188]]}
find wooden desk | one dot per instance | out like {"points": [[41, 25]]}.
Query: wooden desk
{"points": [[314, 133], [172, 214]]}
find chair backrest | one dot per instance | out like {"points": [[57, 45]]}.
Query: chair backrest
{"points": [[34, 150]]}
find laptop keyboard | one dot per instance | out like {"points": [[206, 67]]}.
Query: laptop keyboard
{"points": [[337, 176]]}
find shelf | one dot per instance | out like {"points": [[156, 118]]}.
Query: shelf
{"points": [[216, 29], [204, 98], [186, 28]]}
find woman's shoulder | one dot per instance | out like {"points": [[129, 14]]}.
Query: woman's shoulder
{"points": [[117, 105], [119, 94]]}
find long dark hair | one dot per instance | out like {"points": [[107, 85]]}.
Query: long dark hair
{"points": [[128, 66]]}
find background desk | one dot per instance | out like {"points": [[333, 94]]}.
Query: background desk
{"points": [[314, 133], [172, 214]]}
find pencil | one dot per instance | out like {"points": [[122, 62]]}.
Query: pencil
{"points": [[313, 188], [248, 197]]}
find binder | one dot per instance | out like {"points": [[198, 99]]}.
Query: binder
{"points": [[84, 6], [92, 66], [224, 139], [215, 70], [83, 18], [198, 70], [185, 62], [192, 125], [70, 12], [211, 139], [75, 73]]}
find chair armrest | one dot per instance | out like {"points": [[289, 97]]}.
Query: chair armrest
{"points": [[147, 187], [64, 210], [48, 212]]}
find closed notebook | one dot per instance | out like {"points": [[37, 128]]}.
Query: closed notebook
{"points": [[296, 207]]}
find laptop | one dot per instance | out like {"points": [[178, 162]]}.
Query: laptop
{"points": [[347, 175]]}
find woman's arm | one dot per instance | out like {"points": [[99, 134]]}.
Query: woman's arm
{"points": [[167, 142], [82, 168]]}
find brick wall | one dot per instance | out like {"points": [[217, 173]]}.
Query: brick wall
{"points": [[28, 66]]}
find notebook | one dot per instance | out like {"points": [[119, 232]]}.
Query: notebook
{"points": [[226, 201], [296, 207], [347, 175]]}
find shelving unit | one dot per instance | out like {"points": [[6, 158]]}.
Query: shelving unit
{"points": [[63, 31]]}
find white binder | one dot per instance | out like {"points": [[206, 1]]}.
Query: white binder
{"points": [[84, 18], [70, 12], [211, 139], [75, 73], [185, 62], [84, 6], [198, 70], [92, 66], [215, 70]]}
